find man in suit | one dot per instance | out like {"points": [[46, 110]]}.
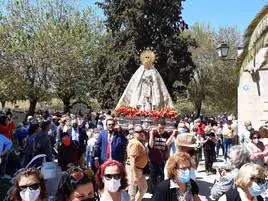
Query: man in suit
{"points": [[110, 145], [79, 137]]}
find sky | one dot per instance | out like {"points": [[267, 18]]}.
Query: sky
{"points": [[237, 13]]}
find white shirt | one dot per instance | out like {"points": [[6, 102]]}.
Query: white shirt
{"points": [[124, 197], [244, 136], [75, 134]]}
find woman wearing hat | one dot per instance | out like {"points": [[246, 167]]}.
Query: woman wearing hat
{"points": [[186, 143]]}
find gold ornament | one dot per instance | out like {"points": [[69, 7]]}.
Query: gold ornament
{"points": [[147, 57]]}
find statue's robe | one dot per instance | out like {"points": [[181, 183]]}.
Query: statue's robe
{"points": [[138, 89]]}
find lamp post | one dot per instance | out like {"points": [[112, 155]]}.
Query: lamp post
{"points": [[223, 50]]}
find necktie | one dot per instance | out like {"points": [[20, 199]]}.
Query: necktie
{"points": [[108, 150]]}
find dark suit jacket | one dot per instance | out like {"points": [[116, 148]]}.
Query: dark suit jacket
{"points": [[83, 138], [118, 146], [164, 193]]}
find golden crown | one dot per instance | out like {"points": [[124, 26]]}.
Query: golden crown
{"points": [[148, 54]]}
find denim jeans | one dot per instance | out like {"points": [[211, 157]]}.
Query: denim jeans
{"points": [[227, 143], [219, 145]]}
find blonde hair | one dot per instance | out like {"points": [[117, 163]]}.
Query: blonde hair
{"points": [[248, 172], [175, 161], [197, 121], [90, 133]]}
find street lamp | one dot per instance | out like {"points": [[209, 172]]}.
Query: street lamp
{"points": [[223, 50]]}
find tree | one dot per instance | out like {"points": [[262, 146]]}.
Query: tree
{"points": [[21, 40], [9, 82], [69, 45], [214, 80], [135, 25], [49, 44]]}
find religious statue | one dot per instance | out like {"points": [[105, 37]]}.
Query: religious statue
{"points": [[146, 89]]}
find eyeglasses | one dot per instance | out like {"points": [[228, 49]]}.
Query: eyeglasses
{"points": [[256, 138], [138, 131], [110, 176], [31, 187], [110, 124], [184, 168]]}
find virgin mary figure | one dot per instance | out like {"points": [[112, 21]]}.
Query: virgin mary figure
{"points": [[146, 89]]}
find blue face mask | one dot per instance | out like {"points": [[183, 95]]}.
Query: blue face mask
{"points": [[256, 189], [184, 176], [181, 130]]}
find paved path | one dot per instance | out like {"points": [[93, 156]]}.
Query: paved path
{"points": [[204, 182]]}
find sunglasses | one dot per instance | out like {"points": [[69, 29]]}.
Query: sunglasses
{"points": [[110, 124], [80, 174], [138, 131], [110, 176], [31, 187]]}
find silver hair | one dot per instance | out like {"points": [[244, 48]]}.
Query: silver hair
{"points": [[241, 155]]}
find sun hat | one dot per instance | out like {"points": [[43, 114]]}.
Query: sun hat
{"points": [[186, 140]]}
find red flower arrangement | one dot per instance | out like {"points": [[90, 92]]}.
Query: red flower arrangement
{"points": [[134, 112]]}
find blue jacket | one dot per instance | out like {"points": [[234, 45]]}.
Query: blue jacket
{"points": [[118, 146], [5, 144]]}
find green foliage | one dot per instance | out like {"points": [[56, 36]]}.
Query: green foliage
{"points": [[215, 80], [133, 26], [49, 46]]}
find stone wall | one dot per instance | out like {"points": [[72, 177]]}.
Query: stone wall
{"points": [[253, 95]]}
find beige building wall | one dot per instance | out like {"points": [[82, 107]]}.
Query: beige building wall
{"points": [[253, 95]]}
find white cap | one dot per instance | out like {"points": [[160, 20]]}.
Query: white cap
{"points": [[29, 118], [230, 118]]}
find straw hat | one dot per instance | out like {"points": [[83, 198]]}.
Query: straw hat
{"points": [[186, 140]]}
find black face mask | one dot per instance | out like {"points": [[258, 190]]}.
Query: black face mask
{"points": [[75, 125]]}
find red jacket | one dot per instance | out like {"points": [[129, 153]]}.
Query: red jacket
{"points": [[5, 130], [201, 129]]}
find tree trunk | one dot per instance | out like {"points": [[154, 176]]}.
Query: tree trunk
{"points": [[198, 107], [32, 107], [3, 103], [66, 103]]}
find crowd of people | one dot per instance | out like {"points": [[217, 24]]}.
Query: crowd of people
{"points": [[102, 159]]}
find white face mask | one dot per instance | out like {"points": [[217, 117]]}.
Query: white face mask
{"points": [[112, 185], [30, 195], [249, 127]]}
